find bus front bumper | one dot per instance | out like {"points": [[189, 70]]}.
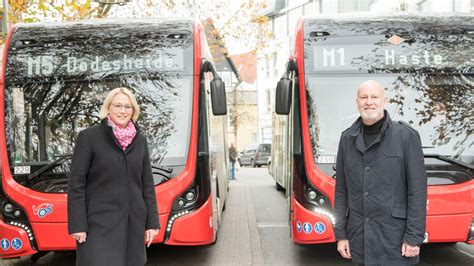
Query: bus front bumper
{"points": [[310, 227], [14, 241]]}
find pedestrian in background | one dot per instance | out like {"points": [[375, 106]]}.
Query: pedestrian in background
{"points": [[112, 207], [380, 200], [232, 158]]}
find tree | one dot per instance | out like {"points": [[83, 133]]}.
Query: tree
{"points": [[238, 24], [55, 10]]}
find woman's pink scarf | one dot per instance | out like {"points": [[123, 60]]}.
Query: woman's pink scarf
{"points": [[123, 135]]}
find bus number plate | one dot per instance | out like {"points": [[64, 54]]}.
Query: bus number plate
{"points": [[22, 170], [326, 159]]}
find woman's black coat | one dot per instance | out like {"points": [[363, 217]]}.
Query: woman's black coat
{"points": [[111, 196], [381, 191]]}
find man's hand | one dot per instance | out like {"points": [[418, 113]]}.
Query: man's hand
{"points": [[343, 248], [410, 251], [150, 234], [80, 237]]}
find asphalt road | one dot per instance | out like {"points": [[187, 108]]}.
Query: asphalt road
{"points": [[255, 231]]}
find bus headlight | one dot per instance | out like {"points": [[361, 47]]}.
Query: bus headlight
{"points": [[8, 208], [187, 200], [190, 196], [312, 194], [321, 200]]}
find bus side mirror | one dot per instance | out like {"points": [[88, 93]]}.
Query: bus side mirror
{"points": [[283, 96], [218, 98]]}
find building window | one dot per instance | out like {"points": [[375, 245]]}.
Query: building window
{"points": [[345, 6], [269, 100], [311, 8], [267, 66], [275, 64]]}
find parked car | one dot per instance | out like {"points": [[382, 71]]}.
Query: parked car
{"points": [[255, 155]]}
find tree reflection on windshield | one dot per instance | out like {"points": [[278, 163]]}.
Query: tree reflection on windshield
{"points": [[42, 120], [441, 113]]}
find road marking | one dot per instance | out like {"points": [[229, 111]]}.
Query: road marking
{"points": [[462, 251], [265, 225], [465, 253]]}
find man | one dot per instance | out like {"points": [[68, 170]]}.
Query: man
{"points": [[380, 200], [232, 158]]}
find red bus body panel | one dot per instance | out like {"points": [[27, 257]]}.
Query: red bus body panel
{"points": [[450, 208], [50, 231], [197, 228], [301, 216], [11, 232]]}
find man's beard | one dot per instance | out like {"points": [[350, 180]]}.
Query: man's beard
{"points": [[372, 117]]}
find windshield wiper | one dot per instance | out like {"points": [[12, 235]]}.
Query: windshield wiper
{"points": [[449, 160], [163, 171], [47, 167]]}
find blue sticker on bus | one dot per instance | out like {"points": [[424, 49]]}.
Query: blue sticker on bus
{"points": [[307, 228], [43, 209], [299, 227], [16, 243], [5, 244], [319, 228]]}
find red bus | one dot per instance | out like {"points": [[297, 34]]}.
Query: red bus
{"points": [[55, 77], [426, 64]]}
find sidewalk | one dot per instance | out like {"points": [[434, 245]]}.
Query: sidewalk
{"points": [[238, 239]]}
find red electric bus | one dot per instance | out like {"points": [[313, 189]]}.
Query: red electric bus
{"points": [[55, 77], [426, 64]]}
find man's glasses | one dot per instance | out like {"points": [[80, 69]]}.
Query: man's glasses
{"points": [[118, 107]]}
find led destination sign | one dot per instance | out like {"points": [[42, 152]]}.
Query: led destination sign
{"points": [[46, 65], [366, 57], [377, 52]]}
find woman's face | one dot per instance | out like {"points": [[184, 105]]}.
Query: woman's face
{"points": [[121, 109]]}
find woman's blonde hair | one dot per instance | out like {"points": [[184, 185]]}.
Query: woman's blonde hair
{"points": [[104, 111]]}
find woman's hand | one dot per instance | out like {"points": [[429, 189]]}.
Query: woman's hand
{"points": [[150, 234], [80, 237]]}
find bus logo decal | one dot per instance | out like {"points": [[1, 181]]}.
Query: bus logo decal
{"points": [[395, 39], [16, 243], [299, 227], [43, 209], [307, 228], [319, 228], [5, 244]]}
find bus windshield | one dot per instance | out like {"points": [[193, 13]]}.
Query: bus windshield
{"points": [[429, 84], [57, 78]]}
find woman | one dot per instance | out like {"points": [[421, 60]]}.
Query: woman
{"points": [[111, 198]]}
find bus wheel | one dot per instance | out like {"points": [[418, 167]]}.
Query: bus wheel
{"points": [[278, 187]]}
